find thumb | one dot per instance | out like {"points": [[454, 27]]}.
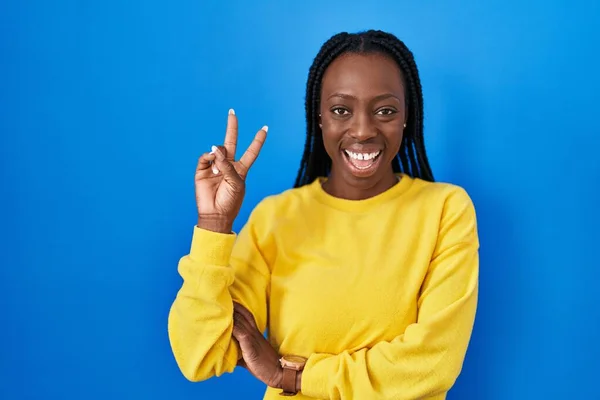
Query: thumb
{"points": [[223, 165]]}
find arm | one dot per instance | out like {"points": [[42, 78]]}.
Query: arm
{"points": [[220, 269], [427, 358]]}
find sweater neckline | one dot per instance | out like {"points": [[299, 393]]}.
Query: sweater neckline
{"points": [[364, 205]]}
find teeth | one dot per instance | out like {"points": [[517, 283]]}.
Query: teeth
{"points": [[362, 156]]}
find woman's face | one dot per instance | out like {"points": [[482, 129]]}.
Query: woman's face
{"points": [[362, 118]]}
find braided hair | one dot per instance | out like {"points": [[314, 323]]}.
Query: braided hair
{"points": [[411, 158]]}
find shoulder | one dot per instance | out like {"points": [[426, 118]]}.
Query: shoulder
{"points": [[450, 205], [448, 196], [452, 208]]}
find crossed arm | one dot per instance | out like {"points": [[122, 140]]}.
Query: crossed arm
{"points": [[424, 361]]}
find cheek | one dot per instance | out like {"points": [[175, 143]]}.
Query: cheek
{"points": [[394, 139], [332, 135]]}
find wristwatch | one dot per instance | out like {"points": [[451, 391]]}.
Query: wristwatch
{"points": [[291, 366]]}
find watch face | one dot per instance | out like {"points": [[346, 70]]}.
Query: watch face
{"points": [[295, 359]]}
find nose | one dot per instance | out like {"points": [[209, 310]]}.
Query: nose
{"points": [[362, 128]]}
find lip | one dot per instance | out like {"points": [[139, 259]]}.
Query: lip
{"points": [[360, 172]]}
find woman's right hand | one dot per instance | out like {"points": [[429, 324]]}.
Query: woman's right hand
{"points": [[220, 180]]}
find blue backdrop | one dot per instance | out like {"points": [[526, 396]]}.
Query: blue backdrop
{"points": [[107, 105]]}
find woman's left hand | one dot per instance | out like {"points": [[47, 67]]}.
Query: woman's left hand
{"points": [[258, 356]]}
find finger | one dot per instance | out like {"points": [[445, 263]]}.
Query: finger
{"points": [[248, 345], [205, 161], [222, 149], [204, 166], [239, 328], [215, 169], [246, 314], [223, 165], [231, 135], [240, 353], [242, 323], [251, 153]]}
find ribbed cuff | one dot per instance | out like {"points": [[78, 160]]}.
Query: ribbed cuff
{"points": [[318, 370], [212, 248]]}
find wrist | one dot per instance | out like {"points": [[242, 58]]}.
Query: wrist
{"points": [[291, 374], [278, 384], [215, 224]]}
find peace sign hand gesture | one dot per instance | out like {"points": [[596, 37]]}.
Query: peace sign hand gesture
{"points": [[220, 180]]}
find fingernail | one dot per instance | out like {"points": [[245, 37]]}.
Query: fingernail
{"points": [[215, 170], [231, 111], [265, 128], [213, 149]]}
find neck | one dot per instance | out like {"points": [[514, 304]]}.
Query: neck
{"points": [[357, 189]]}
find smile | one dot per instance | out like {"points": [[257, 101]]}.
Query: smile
{"points": [[362, 164]]}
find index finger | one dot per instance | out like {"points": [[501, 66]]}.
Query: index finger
{"points": [[252, 153], [231, 135], [245, 313]]}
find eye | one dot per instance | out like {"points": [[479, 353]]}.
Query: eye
{"points": [[340, 111], [386, 111]]}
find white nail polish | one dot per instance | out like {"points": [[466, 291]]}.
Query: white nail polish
{"points": [[213, 149], [265, 128], [215, 170]]}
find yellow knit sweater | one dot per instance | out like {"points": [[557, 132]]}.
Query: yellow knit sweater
{"points": [[379, 294]]}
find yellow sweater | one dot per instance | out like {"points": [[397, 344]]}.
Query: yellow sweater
{"points": [[379, 294]]}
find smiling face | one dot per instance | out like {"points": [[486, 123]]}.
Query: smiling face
{"points": [[363, 112]]}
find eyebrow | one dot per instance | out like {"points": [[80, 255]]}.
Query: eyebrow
{"points": [[351, 97]]}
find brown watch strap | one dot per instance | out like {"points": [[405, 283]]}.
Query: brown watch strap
{"points": [[288, 382]]}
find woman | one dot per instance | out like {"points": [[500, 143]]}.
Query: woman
{"points": [[365, 273]]}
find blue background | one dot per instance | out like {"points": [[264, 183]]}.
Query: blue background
{"points": [[107, 105]]}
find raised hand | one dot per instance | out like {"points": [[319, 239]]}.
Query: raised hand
{"points": [[220, 180]]}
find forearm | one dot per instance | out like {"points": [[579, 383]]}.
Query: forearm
{"points": [[422, 362], [200, 320], [215, 275], [398, 369]]}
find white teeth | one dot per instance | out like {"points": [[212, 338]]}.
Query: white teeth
{"points": [[362, 156]]}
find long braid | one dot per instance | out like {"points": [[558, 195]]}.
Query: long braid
{"points": [[315, 161], [414, 143], [403, 154], [412, 157]]}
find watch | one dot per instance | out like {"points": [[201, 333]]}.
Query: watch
{"points": [[291, 366]]}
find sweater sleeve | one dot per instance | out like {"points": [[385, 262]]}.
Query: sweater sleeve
{"points": [[219, 269], [427, 358]]}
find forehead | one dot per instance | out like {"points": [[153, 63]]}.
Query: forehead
{"points": [[363, 74]]}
